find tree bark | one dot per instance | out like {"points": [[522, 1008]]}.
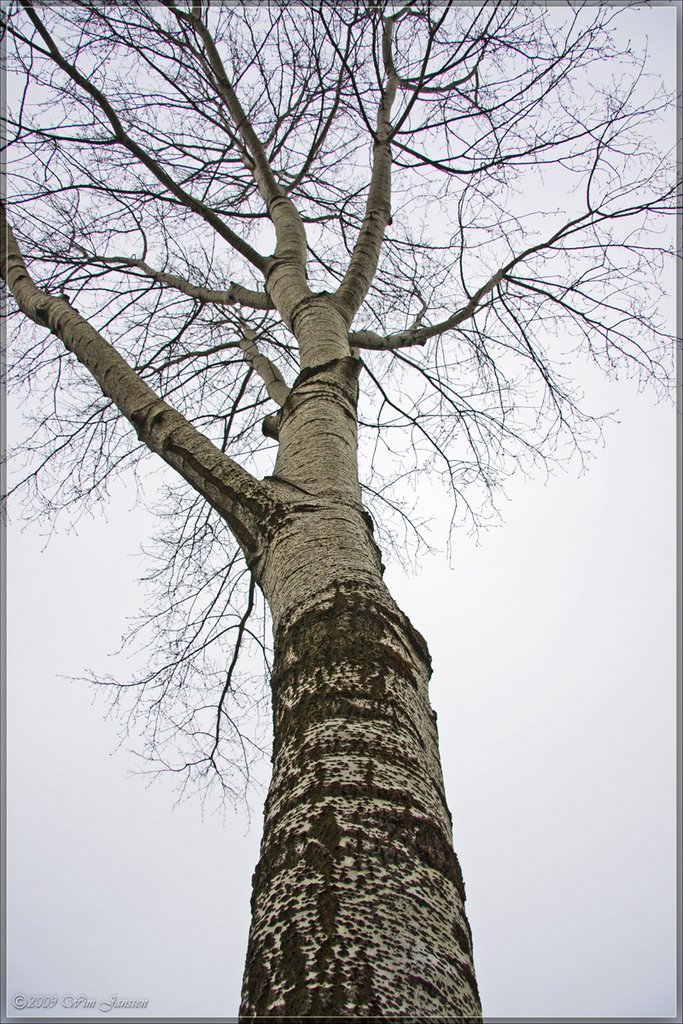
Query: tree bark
{"points": [[358, 899]]}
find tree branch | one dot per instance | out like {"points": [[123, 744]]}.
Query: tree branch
{"points": [[420, 335], [268, 372], [238, 496], [290, 247], [235, 295], [365, 256], [121, 136]]}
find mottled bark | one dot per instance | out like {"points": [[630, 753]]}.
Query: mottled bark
{"points": [[358, 899]]}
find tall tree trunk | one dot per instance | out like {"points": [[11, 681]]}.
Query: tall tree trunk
{"points": [[358, 899]]}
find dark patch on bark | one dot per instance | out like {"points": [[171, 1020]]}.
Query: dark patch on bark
{"points": [[350, 638], [463, 935], [293, 961], [329, 838], [466, 972], [423, 983], [352, 612], [350, 367], [270, 425], [370, 704], [404, 837], [259, 980]]}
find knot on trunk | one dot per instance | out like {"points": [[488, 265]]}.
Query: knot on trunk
{"points": [[271, 425]]}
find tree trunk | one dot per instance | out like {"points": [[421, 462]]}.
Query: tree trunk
{"points": [[358, 899]]}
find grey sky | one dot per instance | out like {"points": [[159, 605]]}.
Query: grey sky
{"points": [[553, 645], [554, 680]]}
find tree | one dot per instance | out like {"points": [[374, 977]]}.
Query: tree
{"points": [[202, 139]]}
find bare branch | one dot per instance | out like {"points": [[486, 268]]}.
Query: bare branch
{"points": [[363, 263], [267, 370], [122, 137], [225, 485], [290, 249], [235, 295], [420, 335]]}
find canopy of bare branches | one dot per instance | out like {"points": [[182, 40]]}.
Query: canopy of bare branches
{"points": [[476, 198]]}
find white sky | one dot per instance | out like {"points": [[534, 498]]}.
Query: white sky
{"points": [[554, 679], [554, 656]]}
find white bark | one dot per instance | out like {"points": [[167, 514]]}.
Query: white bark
{"points": [[365, 256], [236, 494], [276, 386], [358, 904], [358, 900]]}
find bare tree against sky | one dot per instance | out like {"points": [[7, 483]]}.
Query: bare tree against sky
{"points": [[276, 239]]}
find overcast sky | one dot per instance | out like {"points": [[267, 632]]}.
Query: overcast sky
{"points": [[553, 643]]}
